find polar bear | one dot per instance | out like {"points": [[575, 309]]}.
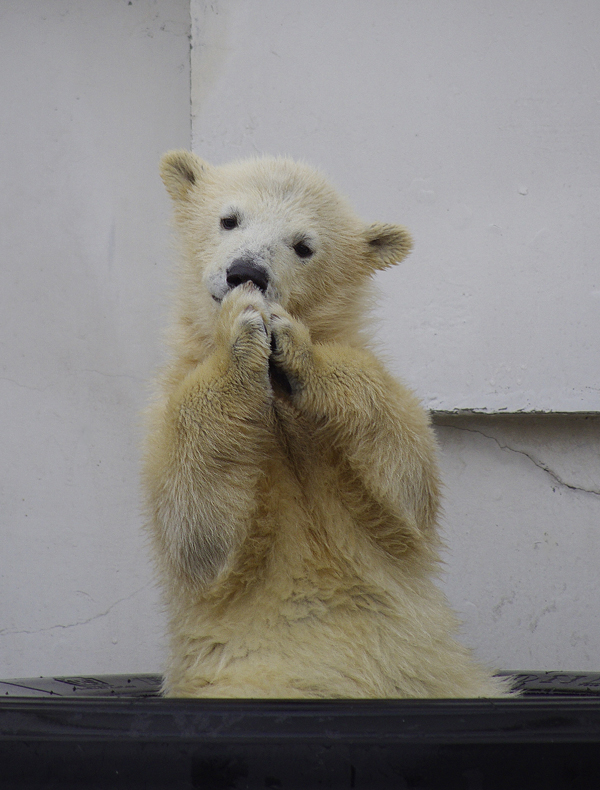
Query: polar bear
{"points": [[291, 481]]}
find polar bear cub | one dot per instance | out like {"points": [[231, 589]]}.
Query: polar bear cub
{"points": [[291, 482]]}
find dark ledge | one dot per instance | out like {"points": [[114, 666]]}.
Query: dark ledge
{"points": [[113, 731]]}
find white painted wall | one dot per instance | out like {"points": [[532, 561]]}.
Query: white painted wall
{"points": [[476, 124], [93, 93], [522, 525]]}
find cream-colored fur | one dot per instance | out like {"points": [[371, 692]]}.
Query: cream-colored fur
{"points": [[291, 481]]}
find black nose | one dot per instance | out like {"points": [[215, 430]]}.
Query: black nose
{"points": [[244, 270]]}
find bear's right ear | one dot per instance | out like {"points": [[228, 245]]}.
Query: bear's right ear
{"points": [[181, 171]]}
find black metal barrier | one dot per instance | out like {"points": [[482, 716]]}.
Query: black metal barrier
{"points": [[114, 732]]}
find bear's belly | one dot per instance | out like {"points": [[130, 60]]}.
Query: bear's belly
{"points": [[311, 608]]}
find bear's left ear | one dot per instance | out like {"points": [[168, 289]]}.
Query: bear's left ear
{"points": [[387, 244]]}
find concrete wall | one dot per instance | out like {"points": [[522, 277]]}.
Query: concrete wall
{"points": [[474, 123], [93, 93], [522, 524]]}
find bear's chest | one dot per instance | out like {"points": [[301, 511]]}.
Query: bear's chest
{"points": [[299, 442]]}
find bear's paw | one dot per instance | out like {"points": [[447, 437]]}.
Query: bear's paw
{"points": [[291, 350], [243, 328]]}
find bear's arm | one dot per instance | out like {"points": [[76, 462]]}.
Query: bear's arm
{"points": [[205, 450], [377, 431]]}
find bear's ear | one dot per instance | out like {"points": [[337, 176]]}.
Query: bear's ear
{"points": [[387, 244], [181, 171]]}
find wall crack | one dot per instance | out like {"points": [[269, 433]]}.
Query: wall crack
{"points": [[536, 461], [91, 619]]}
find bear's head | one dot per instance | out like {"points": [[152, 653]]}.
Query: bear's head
{"points": [[280, 225]]}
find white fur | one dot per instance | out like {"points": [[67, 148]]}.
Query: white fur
{"points": [[293, 511]]}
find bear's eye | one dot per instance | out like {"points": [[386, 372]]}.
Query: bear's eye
{"points": [[302, 250], [229, 223]]}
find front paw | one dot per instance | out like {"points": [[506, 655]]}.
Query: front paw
{"points": [[244, 327], [291, 352]]}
